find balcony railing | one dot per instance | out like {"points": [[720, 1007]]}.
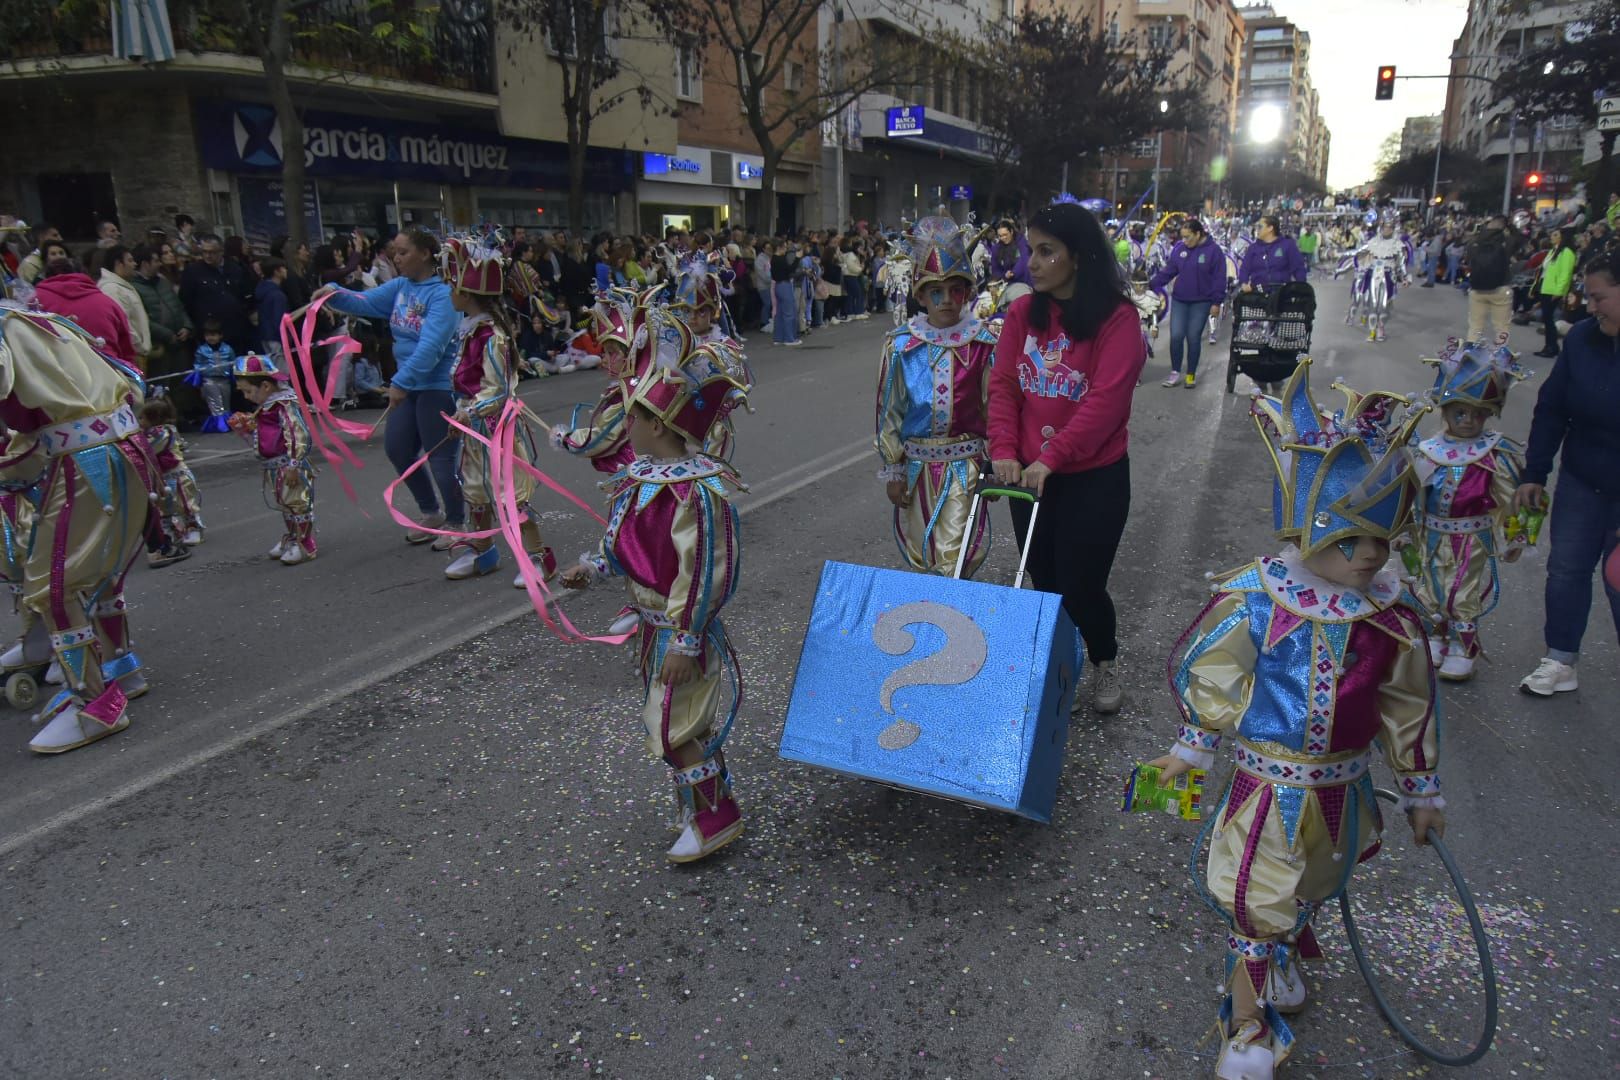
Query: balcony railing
{"points": [[450, 45]]}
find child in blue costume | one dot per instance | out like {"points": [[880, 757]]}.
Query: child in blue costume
{"points": [[1306, 658]]}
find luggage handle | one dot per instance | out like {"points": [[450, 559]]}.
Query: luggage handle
{"points": [[1011, 491]]}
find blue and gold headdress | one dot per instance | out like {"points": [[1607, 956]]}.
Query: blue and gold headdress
{"points": [[938, 249], [1475, 374], [1338, 475]]}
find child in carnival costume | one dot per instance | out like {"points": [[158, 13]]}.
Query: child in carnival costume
{"points": [[931, 413], [276, 431], [75, 439], [1468, 476], [674, 534], [1307, 657], [695, 297], [182, 505], [485, 379], [619, 324]]}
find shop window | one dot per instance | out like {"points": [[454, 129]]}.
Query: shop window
{"points": [[688, 74]]}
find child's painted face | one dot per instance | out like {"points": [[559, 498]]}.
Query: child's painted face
{"points": [[615, 360], [701, 321], [256, 392], [1351, 562], [1464, 421], [943, 300]]}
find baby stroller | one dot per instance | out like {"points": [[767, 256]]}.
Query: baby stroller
{"points": [[1271, 330]]}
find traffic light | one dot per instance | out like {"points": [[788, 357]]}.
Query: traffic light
{"points": [[1386, 83], [1533, 181]]}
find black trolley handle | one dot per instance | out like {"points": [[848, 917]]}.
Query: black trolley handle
{"points": [[993, 489]]}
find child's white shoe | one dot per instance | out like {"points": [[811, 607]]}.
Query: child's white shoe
{"points": [[1458, 667], [281, 547], [193, 537], [1246, 1054], [1285, 990], [295, 554]]}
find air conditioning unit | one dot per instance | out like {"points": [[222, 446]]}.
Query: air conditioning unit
{"points": [[720, 168]]}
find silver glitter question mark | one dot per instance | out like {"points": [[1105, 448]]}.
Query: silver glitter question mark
{"points": [[957, 661]]}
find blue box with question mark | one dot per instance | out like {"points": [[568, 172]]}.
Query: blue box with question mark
{"points": [[955, 688]]}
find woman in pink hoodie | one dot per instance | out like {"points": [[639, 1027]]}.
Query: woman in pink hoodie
{"points": [[1060, 399], [66, 291]]}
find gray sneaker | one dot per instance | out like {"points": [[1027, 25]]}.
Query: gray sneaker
{"points": [[1107, 694]]}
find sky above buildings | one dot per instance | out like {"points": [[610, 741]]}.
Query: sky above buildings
{"points": [[1350, 39]]}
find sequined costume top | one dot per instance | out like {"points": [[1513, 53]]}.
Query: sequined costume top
{"points": [[485, 375], [674, 534], [1307, 674], [1467, 485], [932, 385], [277, 432], [165, 443]]}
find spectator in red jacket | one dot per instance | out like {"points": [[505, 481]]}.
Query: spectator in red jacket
{"points": [[1060, 398], [67, 291]]}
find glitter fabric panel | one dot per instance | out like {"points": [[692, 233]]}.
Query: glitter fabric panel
{"points": [[969, 372], [1330, 800], [988, 732], [1473, 495], [1278, 704], [1290, 801], [918, 419], [642, 544], [1356, 717]]}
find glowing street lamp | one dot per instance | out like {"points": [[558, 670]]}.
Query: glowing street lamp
{"points": [[1265, 123]]}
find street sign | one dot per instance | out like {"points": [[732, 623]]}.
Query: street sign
{"points": [[1609, 106], [1609, 122]]}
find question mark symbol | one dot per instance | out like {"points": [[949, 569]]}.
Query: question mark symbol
{"points": [[957, 661]]}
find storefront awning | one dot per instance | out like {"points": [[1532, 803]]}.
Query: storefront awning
{"points": [[140, 30]]}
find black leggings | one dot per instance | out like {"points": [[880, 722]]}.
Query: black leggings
{"points": [[1549, 321], [1076, 537]]}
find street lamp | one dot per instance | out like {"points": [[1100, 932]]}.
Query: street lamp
{"points": [[1158, 155]]}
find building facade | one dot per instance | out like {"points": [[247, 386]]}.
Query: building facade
{"points": [[1291, 137], [1420, 133], [1495, 34]]}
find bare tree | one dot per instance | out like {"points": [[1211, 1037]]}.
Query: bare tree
{"points": [[788, 82], [584, 39]]}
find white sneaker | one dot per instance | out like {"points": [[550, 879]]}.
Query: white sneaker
{"points": [[1172, 379], [445, 543], [280, 549], [1437, 651], [1107, 693], [1458, 667], [1550, 678], [294, 555], [420, 534], [192, 538]]}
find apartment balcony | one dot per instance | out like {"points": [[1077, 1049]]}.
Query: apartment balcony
{"points": [[454, 49]]}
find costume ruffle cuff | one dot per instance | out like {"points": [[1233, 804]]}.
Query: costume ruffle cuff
{"points": [[1419, 791], [1195, 739], [686, 643], [597, 566], [890, 473], [1198, 759]]}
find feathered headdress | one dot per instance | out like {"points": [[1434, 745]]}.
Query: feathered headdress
{"points": [[937, 249], [689, 389], [696, 283], [1475, 373], [474, 264], [1337, 475]]}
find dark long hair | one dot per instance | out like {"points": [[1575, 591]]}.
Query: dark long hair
{"points": [[1099, 289]]}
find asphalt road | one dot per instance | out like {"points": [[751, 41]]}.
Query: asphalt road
{"points": [[377, 824]]}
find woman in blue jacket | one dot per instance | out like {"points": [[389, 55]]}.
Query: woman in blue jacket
{"points": [[1198, 266], [417, 307], [1575, 420]]}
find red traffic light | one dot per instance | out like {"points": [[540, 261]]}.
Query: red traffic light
{"points": [[1386, 73], [1386, 83], [1533, 180]]}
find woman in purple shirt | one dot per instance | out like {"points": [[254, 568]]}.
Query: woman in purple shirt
{"points": [[1273, 259], [1199, 268]]}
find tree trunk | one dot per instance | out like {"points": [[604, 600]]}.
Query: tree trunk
{"points": [[277, 46], [767, 190], [579, 133]]}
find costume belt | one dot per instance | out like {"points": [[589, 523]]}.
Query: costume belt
{"points": [[958, 449], [658, 619], [1482, 523], [282, 462], [1325, 771], [71, 436]]}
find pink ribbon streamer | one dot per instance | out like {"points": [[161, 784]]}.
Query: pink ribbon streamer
{"points": [[325, 427]]}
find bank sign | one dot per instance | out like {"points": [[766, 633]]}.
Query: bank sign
{"points": [[239, 137], [905, 121]]}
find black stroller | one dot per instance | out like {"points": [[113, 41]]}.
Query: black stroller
{"points": [[1271, 330]]}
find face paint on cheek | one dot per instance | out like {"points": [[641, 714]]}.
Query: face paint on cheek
{"points": [[959, 294], [1347, 548], [936, 296]]}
